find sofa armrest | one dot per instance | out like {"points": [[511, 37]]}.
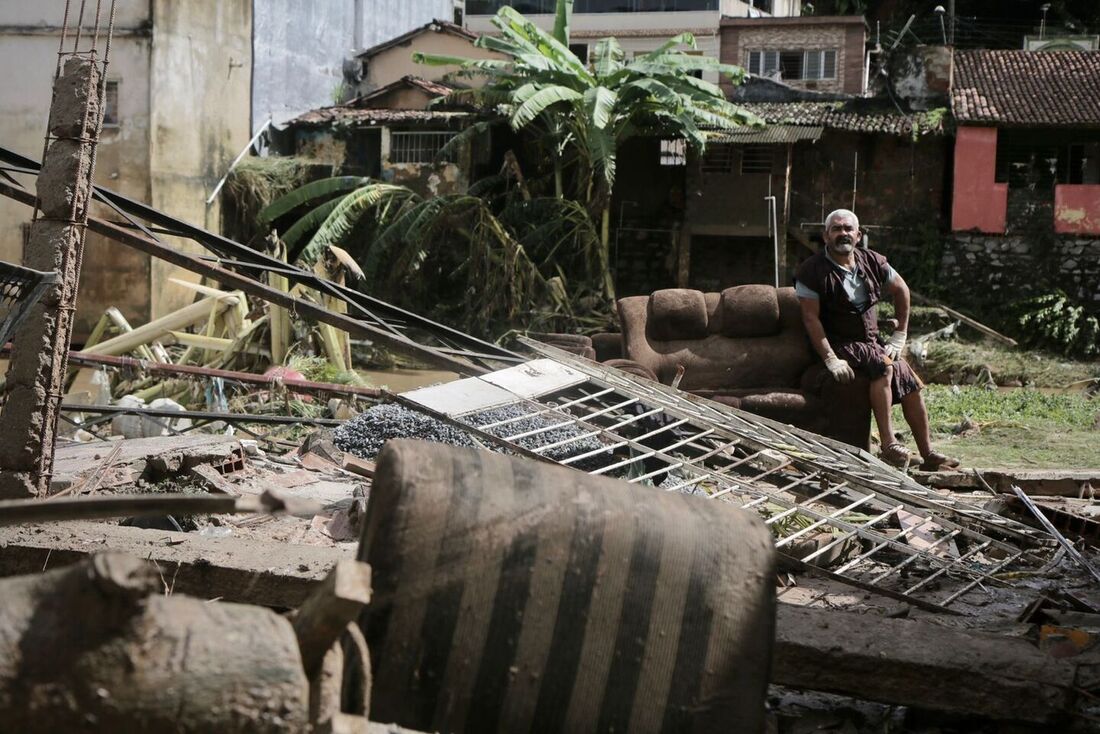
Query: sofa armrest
{"points": [[608, 346], [631, 367]]}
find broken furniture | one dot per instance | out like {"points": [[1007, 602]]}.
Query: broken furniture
{"points": [[98, 646], [744, 347], [513, 596]]}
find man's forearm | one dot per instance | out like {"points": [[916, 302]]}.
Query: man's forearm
{"points": [[816, 333], [901, 305]]}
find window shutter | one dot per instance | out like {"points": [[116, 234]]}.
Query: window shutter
{"points": [[829, 65], [812, 65], [771, 62]]}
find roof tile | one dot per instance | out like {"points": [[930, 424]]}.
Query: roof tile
{"points": [[1032, 88]]}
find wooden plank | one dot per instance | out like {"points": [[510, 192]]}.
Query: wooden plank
{"points": [[234, 569], [918, 664]]}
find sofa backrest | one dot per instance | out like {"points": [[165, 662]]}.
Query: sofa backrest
{"points": [[748, 336]]}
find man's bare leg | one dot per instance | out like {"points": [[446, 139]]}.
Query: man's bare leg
{"points": [[880, 407], [916, 415]]}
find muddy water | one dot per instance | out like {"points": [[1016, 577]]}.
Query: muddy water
{"points": [[401, 380]]}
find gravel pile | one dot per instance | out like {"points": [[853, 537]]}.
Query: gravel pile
{"points": [[365, 434], [538, 440]]}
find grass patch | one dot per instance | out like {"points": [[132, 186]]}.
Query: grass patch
{"points": [[1016, 428]]}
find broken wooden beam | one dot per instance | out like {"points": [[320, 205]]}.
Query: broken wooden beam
{"points": [[303, 307], [247, 378], [18, 512], [334, 604], [268, 573], [923, 665], [968, 320]]}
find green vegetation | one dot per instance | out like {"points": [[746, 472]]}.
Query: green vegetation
{"points": [[952, 361], [1015, 428], [1054, 320], [585, 112], [526, 248]]}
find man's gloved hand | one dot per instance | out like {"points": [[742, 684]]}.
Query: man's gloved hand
{"points": [[841, 371], [895, 345]]}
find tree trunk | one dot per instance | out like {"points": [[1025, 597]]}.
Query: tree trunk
{"points": [[605, 252], [96, 646]]}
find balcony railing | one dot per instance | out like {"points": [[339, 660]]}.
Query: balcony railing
{"points": [[531, 7]]}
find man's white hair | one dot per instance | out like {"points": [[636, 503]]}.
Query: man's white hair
{"points": [[841, 214]]}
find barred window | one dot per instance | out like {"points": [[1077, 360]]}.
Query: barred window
{"points": [[793, 65], [756, 159], [673, 153], [718, 158], [418, 146]]}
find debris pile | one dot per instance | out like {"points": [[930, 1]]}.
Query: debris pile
{"points": [[365, 434]]}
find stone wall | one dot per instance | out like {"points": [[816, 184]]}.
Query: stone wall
{"points": [[845, 38], [1020, 266]]}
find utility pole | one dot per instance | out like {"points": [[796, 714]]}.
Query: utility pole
{"points": [[39, 358], [951, 22]]}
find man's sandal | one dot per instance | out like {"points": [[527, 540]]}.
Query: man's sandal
{"points": [[936, 461], [895, 454]]}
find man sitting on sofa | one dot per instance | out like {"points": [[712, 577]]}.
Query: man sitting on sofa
{"points": [[838, 289]]}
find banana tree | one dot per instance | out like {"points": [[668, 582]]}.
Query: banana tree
{"points": [[587, 111]]}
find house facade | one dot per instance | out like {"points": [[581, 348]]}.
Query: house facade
{"points": [[819, 53], [639, 25], [1025, 205]]}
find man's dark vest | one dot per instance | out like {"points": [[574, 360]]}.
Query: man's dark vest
{"points": [[842, 321]]}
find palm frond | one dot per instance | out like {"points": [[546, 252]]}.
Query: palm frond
{"points": [[310, 192]]}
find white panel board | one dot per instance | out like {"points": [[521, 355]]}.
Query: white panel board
{"points": [[535, 378], [461, 396]]}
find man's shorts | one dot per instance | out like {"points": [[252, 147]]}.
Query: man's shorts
{"points": [[870, 358]]}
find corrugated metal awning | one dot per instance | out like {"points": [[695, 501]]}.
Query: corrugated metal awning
{"points": [[769, 134]]}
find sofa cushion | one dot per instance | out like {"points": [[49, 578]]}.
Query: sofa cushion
{"points": [[749, 310], [676, 314]]}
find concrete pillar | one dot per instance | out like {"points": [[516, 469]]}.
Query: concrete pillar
{"points": [[28, 420]]}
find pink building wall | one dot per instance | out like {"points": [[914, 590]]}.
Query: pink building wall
{"points": [[1077, 208], [978, 201]]}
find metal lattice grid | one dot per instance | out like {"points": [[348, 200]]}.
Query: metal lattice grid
{"points": [[419, 146], [826, 511]]}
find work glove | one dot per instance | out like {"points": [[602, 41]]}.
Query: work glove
{"points": [[895, 345], [841, 371]]}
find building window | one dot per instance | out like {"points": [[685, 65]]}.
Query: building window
{"points": [[793, 65], [110, 105], [580, 50], [756, 159], [673, 153], [718, 158], [417, 147], [489, 7]]}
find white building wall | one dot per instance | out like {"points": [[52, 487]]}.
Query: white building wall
{"points": [[299, 47]]}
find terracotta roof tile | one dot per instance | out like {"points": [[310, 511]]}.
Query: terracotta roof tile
{"points": [[846, 116], [344, 115], [1033, 88]]}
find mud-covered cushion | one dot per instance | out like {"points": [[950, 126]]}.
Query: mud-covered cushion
{"points": [[676, 314], [749, 310]]}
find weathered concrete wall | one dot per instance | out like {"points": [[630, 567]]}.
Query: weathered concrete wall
{"points": [[395, 63], [300, 47], [201, 78], [29, 34]]}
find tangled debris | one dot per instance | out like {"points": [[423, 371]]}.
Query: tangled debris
{"points": [[365, 434]]}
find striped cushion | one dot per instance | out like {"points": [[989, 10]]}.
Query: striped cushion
{"points": [[511, 595]]}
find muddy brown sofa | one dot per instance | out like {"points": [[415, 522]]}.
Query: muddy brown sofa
{"points": [[745, 347]]}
